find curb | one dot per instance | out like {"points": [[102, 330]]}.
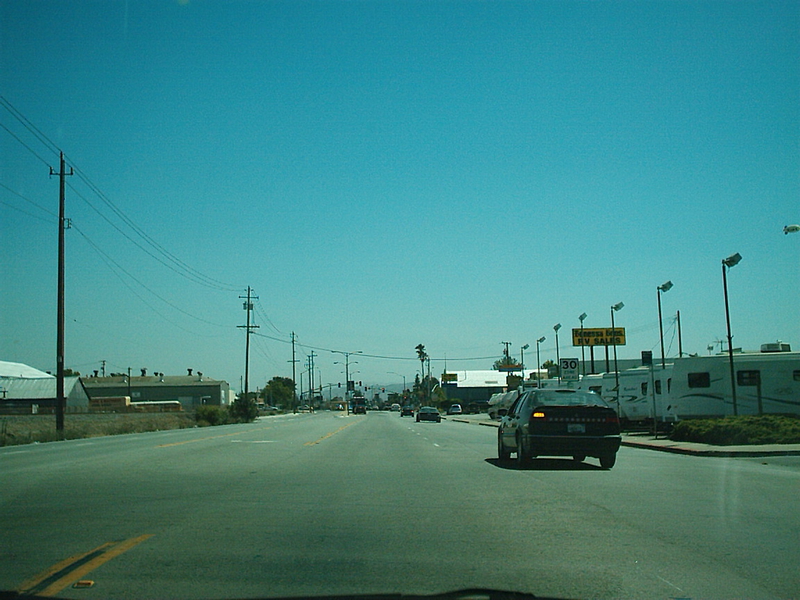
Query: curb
{"points": [[676, 448]]}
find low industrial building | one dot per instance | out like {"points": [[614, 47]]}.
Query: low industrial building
{"points": [[191, 390], [26, 390]]}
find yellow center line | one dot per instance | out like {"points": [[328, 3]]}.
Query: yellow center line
{"points": [[68, 571], [326, 436], [211, 437]]}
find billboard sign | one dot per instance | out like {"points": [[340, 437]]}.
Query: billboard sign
{"points": [[599, 337]]}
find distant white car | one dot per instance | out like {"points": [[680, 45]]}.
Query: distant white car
{"points": [[395, 407], [455, 409]]}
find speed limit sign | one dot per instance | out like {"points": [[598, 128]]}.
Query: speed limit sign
{"points": [[569, 369]]}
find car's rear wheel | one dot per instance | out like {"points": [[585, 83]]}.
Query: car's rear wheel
{"points": [[503, 453], [522, 452], [608, 460]]}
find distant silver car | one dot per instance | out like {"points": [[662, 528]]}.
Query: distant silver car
{"points": [[455, 409]]}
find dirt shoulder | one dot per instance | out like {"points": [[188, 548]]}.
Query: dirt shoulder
{"points": [[27, 429]]}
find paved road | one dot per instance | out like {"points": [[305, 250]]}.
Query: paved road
{"points": [[322, 504]]}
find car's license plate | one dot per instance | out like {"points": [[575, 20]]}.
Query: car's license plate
{"points": [[576, 428]]}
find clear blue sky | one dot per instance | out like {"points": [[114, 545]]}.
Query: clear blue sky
{"points": [[389, 173]]}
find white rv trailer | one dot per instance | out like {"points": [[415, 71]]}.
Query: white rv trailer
{"points": [[504, 400], [591, 383], [501, 401], [766, 383], [640, 392]]}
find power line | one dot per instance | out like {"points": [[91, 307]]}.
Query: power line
{"points": [[31, 150], [43, 139], [39, 206], [109, 261], [179, 266]]}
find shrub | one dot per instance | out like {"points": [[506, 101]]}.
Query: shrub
{"points": [[210, 415], [742, 430]]}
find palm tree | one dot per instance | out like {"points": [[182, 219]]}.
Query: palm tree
{"points": [[423, 356]]}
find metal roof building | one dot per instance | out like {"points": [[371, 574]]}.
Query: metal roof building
{"points": [[26, 395], [190, 390]]}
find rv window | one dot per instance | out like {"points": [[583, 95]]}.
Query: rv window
{"points": [[669, 385], [644, 389], [748, 378], [658, 386], [699, 380], [796, 375]]}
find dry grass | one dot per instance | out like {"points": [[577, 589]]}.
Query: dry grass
{"points": [[27, 429]]}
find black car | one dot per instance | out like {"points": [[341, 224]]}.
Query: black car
{"points": [[428, 413], [560, 423], [360, 408], [406, 411]]}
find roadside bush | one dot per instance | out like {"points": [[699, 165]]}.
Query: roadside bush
{"points": [[210, 416], [742, 430], [243, 410]]}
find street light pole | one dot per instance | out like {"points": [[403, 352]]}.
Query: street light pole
{"points": [[522, 358], [582, 318], [614, 308], [664, 287], [556, 327], [538, 363], [727, 263]]}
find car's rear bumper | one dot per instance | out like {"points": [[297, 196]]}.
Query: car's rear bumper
{"points": [[556, 445]]}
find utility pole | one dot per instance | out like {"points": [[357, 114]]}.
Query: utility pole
{"points": [[311, 380], [248, 306], [63, 223], [103, 367], [294, 373]]}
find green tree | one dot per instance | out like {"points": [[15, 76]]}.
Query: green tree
{"points": [[279, 391], [505, 361], [552, 368]]}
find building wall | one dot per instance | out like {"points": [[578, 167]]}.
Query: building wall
{"points": [[189, 391]]}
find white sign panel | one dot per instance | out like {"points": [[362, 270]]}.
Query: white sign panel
{"points": [[569, 369]]}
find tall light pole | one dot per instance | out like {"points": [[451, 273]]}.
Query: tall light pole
{"points": [[615, 308], [539, 363], [727, 263], [664, 287], [399, 375], [522, 358], [556, 327], [346, 376], [582, 318]]}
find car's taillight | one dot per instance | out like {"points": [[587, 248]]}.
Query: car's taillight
{"points": [[539, 415]]}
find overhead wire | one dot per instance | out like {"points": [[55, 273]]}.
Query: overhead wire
{"points": [[109, 261], [178, 265]]}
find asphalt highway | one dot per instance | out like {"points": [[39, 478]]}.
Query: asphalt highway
{"points": [[313, 504]]}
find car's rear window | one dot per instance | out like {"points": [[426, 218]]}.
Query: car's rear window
{"points": [[567, 398]]}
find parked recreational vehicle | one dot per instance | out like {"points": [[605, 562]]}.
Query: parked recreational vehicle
{"points": [[639, 393], [500, 402], [766, 383], [591, 383]]}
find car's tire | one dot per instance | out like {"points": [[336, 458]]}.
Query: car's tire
{"points": [[522, 452], [503, 453], [607, 461], [579, 458]]}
